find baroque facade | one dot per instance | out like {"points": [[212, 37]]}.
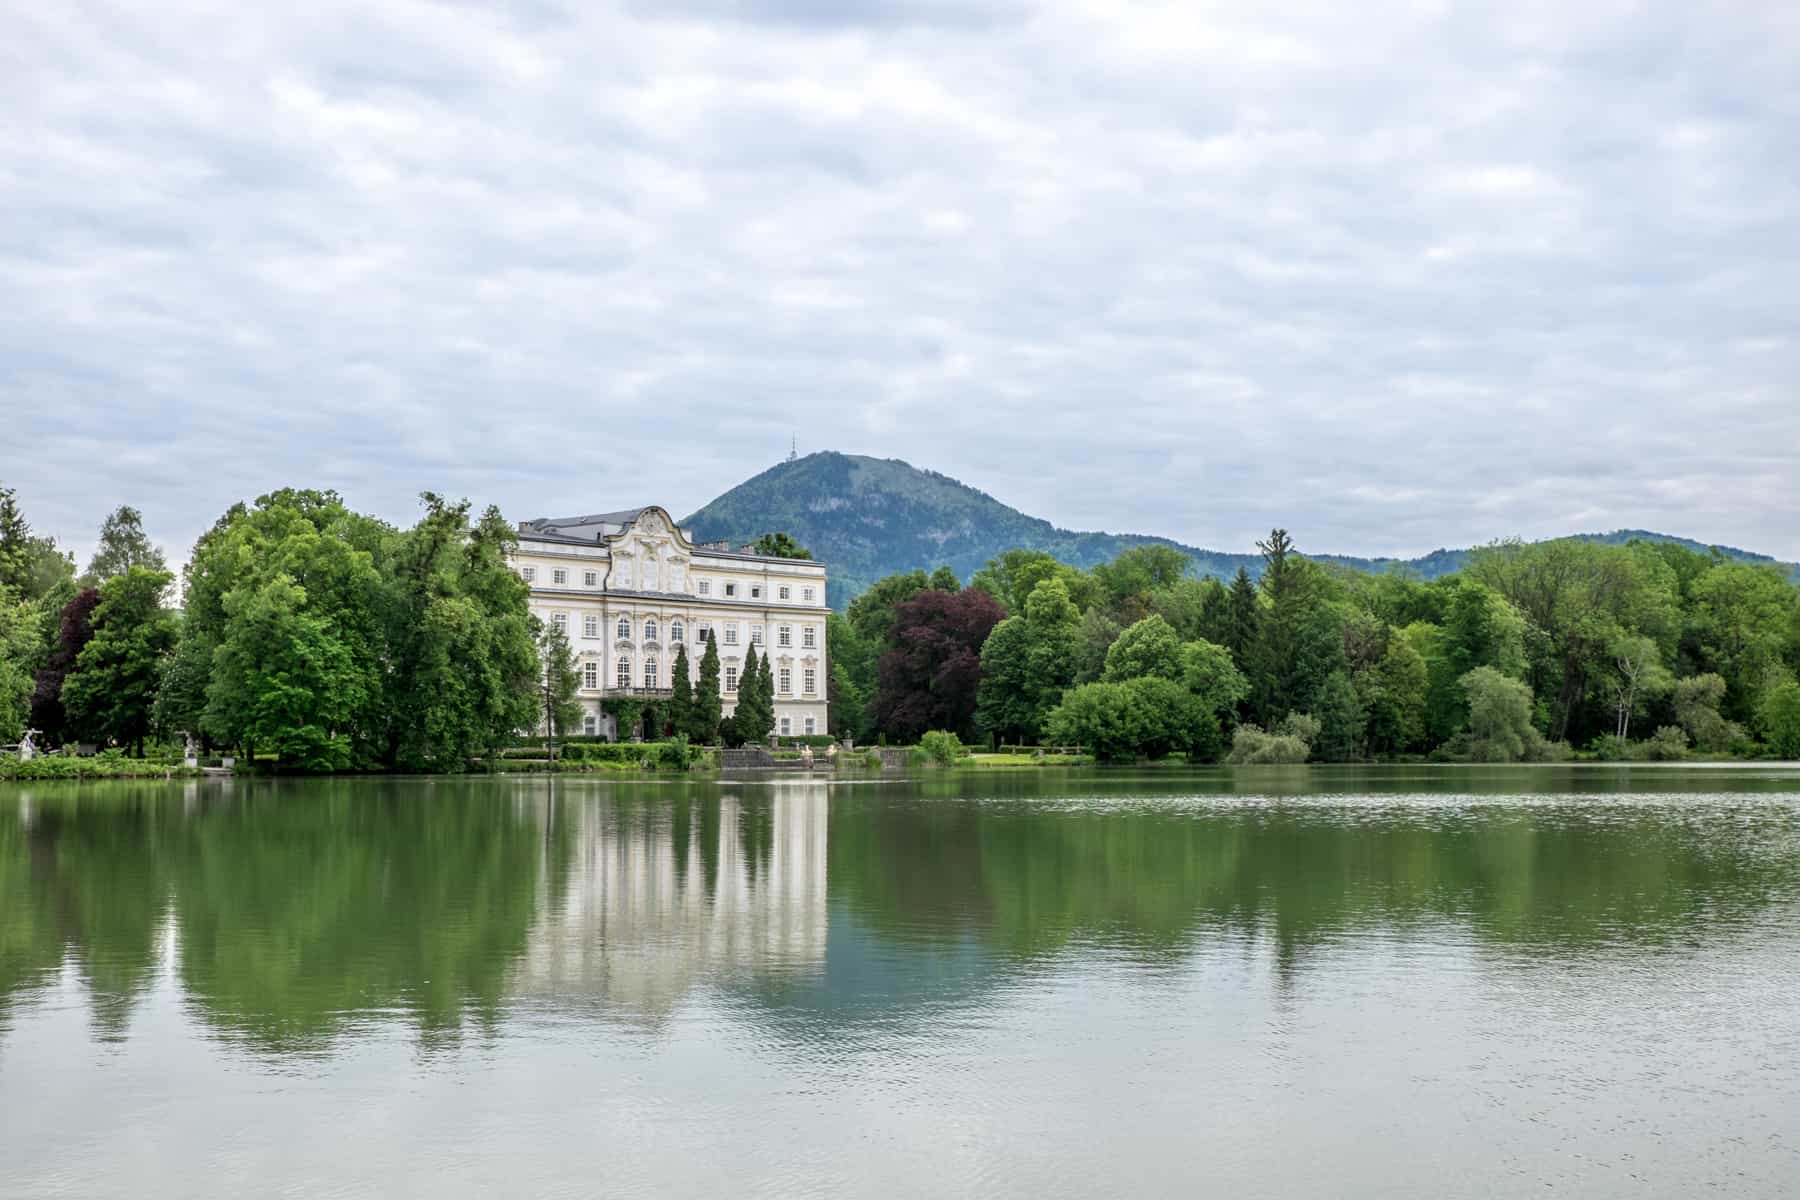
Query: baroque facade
{"points": [[631, 587]]}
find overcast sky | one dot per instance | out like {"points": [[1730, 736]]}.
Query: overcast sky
{"points": [[1394, 275]]}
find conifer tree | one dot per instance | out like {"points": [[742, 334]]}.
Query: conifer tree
{"points": [[708, 705], [751, 722], [681, 701]]}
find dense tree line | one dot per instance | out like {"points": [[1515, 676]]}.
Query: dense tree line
{"points": [[327, 640], [321, 637], [1648, 650]]}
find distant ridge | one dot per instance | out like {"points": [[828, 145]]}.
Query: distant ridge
{"points": [[870, 517]]}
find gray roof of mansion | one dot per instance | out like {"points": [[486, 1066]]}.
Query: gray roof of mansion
{"points": [[587, 530]]}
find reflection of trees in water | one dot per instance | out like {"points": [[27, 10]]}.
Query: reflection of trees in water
{"points": [[1027, 879], [297, 907], [672, 887], [80, 883]]}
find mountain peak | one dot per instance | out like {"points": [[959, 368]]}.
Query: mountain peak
{"points": [[867, 517]]}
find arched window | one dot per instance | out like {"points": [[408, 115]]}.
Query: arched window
{"points": [[624, 631], [650, 629], [676, 630], [624, 674], [649, 672]]}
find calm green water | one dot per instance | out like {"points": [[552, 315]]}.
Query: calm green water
{"points": [[1293, 982]]}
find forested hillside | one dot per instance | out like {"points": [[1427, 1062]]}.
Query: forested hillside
{"points": [[871, 517]]}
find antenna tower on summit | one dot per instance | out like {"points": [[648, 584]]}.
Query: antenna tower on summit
{"points": [[793, 449]]}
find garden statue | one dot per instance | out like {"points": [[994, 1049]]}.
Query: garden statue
{"points": [[27, 750]]}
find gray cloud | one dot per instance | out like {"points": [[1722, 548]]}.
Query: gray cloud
{"points": [[1391, 275]]}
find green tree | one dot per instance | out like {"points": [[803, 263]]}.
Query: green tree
{"points": [[1128, 581], [779, 545], [283, 681], [19, 638], [681, 700], [753, 717], [944, 580], [1015, 574], [460, 664], [1638, 674], [1343, 722], [1742, 617], [1208, 672], [325, 558], [559, 683], [123, 545], [181, 690], [1397, 705], [111, 694], [31, 567], [1243, 617], [1298, 643], [1094, 636], [852, 678], [1145, 717], [1697, 700], [708, 700], [1781, 719], [1026, 663], [1576, 598], [871, 614], [1149, 647], [1500, 728]]}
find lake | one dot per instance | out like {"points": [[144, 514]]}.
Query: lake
{"points": [[1408, 981]]}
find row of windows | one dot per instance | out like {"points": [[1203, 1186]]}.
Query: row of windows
{"points": [[782, 592], [784, 634], [590, 725], [559, 577], [784, 682]]}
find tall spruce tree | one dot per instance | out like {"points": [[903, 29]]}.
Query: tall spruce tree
{"points": [[708, 704], [681, 699], [749, 720], [1241, 617]]}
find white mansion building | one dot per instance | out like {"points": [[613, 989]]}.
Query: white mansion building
{"points": [[631, 587]]}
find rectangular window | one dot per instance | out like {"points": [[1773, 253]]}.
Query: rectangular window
{"points": [[731, 633], [730, 590], [810, 678], [787, 726], [705, 586], [622, 678], [786, 677], [756, 635], [590, 674], [812, 726], [807, 594], [590, 725], [756, 591], [701, 629], [809, 637], [784, 593], [731, 679], [590, 627], [784, 635], [528, 573], [590, 579], [559, 576], [560, 621]]}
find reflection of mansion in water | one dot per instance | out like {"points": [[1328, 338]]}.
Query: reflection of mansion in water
{"points": [[644, 916]]}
